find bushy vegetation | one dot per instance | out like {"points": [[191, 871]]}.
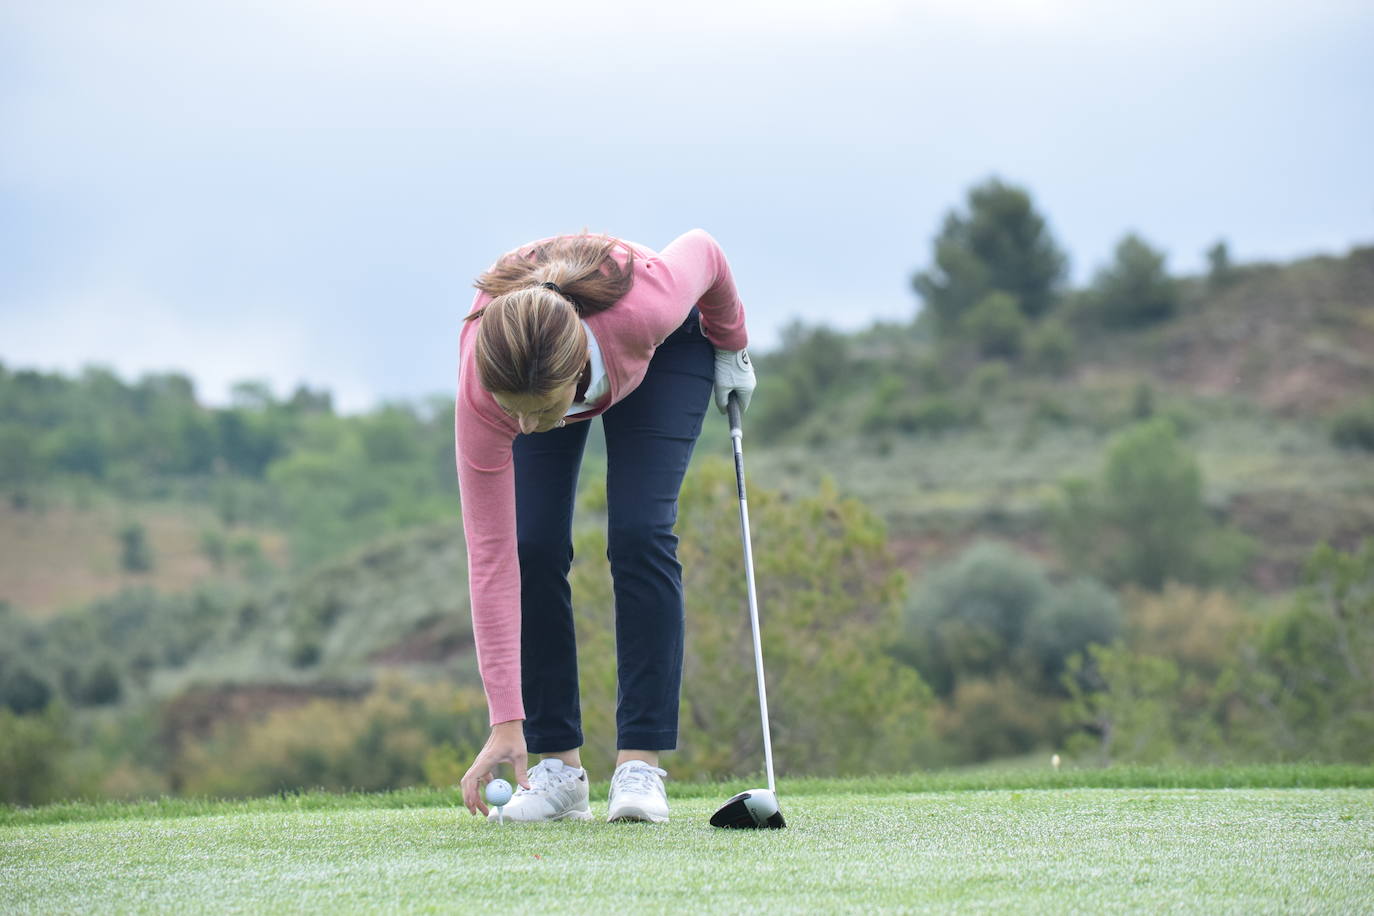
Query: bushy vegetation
{"points": [[332, 482], [1353, 426], [1120, 616], [32, 749], [1196, 678], [1000, 244], [402, 733], [828, 600], [93, 655], [1143, 521], [1136, 289], [991, 634]]}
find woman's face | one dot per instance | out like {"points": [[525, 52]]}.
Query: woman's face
{"points": [[536, 414]]}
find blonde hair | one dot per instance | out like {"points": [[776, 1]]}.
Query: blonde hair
{"points": [[531, 340]]}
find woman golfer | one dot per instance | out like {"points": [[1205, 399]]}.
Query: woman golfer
{"points": [[561, 331]]}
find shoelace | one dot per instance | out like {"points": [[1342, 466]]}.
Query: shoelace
{"points": [[639, 779], [541, 779]]}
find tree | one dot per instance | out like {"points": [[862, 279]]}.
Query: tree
{"points": [[1353, 426], [993, 611], [19, 464], [996, 325], [969, 616], [1310, 689], [1165, 689], [1050, 347], [23, 692], [1221, 271], [1000, 244], [404, 732], [1123, 703], [1136, 289], [135, 553], [31, 752], [1143, 521], [802, 373]]}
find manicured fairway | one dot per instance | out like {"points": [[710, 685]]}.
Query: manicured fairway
{"points": [[1040, 850]]}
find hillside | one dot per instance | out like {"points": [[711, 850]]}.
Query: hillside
{"points": [[66, 555], [1249, 374], [305, 615], [1295, 339]]}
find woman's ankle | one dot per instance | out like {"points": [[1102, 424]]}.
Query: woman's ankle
{"points": [[572, 758], [649, 757]]}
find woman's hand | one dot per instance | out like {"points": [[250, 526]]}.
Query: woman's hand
{"points": [[734, 372], [506, 745]]}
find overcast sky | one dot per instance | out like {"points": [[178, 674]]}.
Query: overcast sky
{"points": [[303, 190]]}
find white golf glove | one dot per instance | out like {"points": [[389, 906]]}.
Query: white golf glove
{"points": [[734, 372]]}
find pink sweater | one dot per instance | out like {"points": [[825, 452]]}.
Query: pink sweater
{"points": [[690, 271]]}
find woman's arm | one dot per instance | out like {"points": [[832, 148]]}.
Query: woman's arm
{"points": [[486, 484], [692, 270]]}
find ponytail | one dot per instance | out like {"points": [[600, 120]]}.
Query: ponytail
{"points": [[532, 341]]}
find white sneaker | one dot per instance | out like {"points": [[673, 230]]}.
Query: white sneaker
{"points": [[557, 792], [637, 793]]}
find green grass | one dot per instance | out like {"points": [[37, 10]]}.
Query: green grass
{"points": [[1271, 776], [1036, 850]]}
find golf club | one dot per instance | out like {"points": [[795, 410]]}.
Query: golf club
{"points": [[756, 808]]}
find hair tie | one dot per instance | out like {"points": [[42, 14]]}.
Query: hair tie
{"points": [[549, 284]]}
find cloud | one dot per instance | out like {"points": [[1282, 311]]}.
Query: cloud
{"points": [[318, 180], [133, 335]]}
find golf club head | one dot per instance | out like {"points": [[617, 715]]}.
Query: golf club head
{"points": [[756, 809]]}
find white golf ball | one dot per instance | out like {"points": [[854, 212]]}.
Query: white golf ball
{"points": [[498, 792]]}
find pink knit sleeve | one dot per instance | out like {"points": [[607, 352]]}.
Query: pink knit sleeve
{"points": [[693, 270], [486, 484]]}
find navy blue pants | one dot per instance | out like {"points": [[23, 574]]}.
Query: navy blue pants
{"points": [[649, 440]]}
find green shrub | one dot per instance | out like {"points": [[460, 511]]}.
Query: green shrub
{"points": [[100, 686], [889, 393], [1050, 347], [1198, 678], [990, 378], [1125, 714], [996, 326], [993, 611], [969, 615], [891, 409], [23, 691], [1353, 427], [1309, 693], [135, 553], [1000, 243], [32, 749], [987, 718], [214, 547], [1221, 270], [1143, 521], [828, 591], [1136, 289], [1143, 401], [936, 414], [1049, 410], [1072, 617], [930, 375], [384, 741]]}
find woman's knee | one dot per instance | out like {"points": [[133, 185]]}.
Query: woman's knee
{"points": [[641, 540], [544, 554]]}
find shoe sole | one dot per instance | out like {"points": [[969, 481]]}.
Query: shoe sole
{"points": [[637, 814], [566, 816], [575, 816]]}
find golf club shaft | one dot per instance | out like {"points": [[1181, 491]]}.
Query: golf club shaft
{"points": [[736, 437]]}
